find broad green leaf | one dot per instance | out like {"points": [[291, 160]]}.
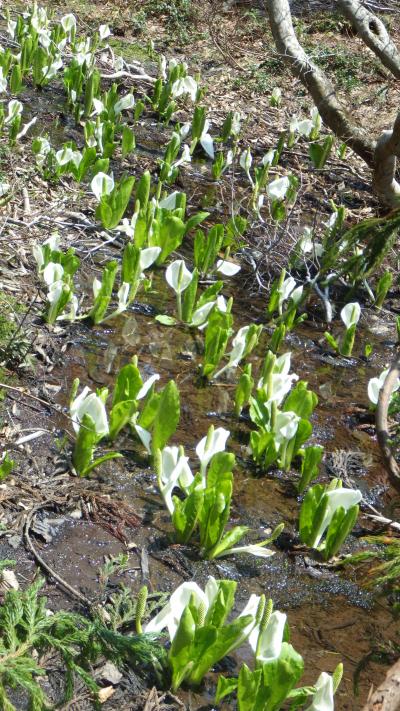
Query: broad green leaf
{"points": [[222, 603], [167, 417], [310, 466], [307, 512]]}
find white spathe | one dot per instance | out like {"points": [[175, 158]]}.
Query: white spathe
{"points": [[178, 276], [350, 314], [376, 384], [211, 444], [175, 471], [169, 617], [127, 102], [270, 644], [336, 498], [277, 189], [323, 695], [88, 403], [148, 256], [227, 268], [102, 184], [52, 272]]}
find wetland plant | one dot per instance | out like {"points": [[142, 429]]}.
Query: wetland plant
{"points": [[277, 670], [90, 422], [327, 516], [350, 315], [282, 417], [202, 510], [197, 625]]}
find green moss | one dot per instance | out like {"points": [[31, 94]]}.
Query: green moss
{"points": [[128, 50]]}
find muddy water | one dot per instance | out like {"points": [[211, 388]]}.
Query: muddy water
{"points": [[332, 617]]}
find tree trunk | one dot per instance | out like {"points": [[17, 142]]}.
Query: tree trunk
{"points": [[387, 695]]}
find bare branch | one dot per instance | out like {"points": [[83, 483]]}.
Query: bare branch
{"points": [[374, 33]]}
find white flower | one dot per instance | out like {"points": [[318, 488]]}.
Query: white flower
{"points": [[3, 81], [256, 549], [376, 384], [200, 315], [227, 268], [123, 297], [286, 424], [206, 140], [246, 160], [104, 32], [128, 226], [305, 127], [11, 27], [64, 156], [171, 614], [52, 272], [286, 289], [148, 256], [323, 695], [269, 157], [277, 189], [175, 471], [144, 436], [4, 189], [350, 314], [98, 107], [211, 444], [68, 23], [127, 102], [178, 276], [14, 109], [239, 343], [51, 71], [102, 184], [169, 202], [270, 644], [88, 403], [336, 498], [146, 386], [276, 96], [186, 85]]}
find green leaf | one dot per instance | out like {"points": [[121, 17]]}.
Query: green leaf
{"points": [[186, 513], [301, 401], [228, 541], [103, 298], [331, 341], [84, 446], [248, 684], [279, 677], [127, 384], [310, 466], [189, 297], [222, 603], [6, 467], [339, 528], [167, 418], [101, 460], [120, 415], [180, 654], [225, 686], [308, 509], [211, 645], [166, 320], [169, 236], [195, 220], [128, 142], [143, 190]]}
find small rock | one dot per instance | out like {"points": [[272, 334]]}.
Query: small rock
{"points": [[110, 673]]}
